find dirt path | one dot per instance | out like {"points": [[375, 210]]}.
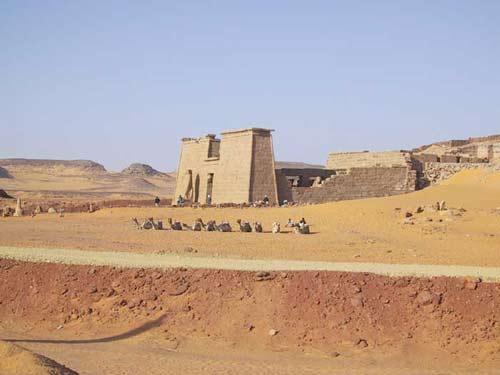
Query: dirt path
{"points": [[133, 260]]}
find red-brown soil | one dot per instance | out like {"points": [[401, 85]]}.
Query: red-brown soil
{"points": [[418, 321]]}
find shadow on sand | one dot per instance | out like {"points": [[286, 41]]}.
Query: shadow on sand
{"points": [[133, 332]]}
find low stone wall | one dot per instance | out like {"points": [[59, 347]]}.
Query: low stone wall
{"points": [[358, 183], [344, 160], [435, 172]]}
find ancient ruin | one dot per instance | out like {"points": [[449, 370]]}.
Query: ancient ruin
{"points": [[240, 168]]}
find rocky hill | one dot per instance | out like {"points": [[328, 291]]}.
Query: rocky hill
{"points": [[139, 169], [81, 179], [53, 166]]}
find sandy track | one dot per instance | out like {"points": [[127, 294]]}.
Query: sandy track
{"points": [[133, 260]]}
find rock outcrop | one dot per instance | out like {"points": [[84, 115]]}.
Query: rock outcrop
{"points": [[138, 169]]}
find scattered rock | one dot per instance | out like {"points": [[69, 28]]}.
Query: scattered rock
{"points": [[357, 302], [273, 332], [426, 298], [419, 209], [362, 343], [181, 289], [408, 214], [264, 276], [402, 282], [334, 354], [408, 221], [430, 209], [93, 290], [472, 284], [51, 210]]}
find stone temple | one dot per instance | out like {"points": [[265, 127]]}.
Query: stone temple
{"points": [[240, 168]]}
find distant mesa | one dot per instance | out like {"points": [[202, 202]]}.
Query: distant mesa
{"points": [[81, 165], [138, 169]]}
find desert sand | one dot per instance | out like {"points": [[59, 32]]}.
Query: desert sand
{"points": [[369, 230]]}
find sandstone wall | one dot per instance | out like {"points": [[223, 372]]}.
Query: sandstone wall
{"points": [[346, 160], [263, 178], [306, 174], [194, 168], [232, 180], [359, 183], [495, 152], [241, 163]]}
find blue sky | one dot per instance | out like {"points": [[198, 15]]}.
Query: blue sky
{"points": [[119, 82]]}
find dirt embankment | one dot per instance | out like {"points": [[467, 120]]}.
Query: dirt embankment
{"points": [[332, 312]]}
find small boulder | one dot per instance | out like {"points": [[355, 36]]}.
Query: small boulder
{"points": [[408, 221], [264, 276], [426, 297], [357, 301], [273, 332], [362, 343], [181, 289], [472, 284]]}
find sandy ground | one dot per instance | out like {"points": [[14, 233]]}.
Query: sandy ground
{"points": [[369, 230], [144, 356], [113, 321]]}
